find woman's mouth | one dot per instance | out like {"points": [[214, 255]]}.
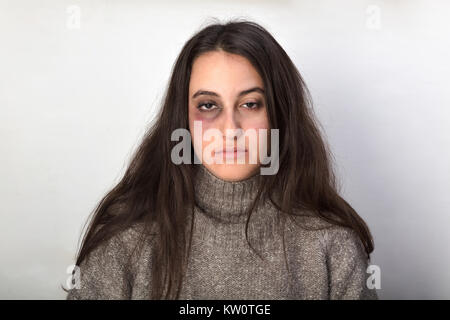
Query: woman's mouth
{"points": [[231, 152]]}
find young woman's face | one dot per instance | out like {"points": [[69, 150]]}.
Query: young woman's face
{"points": [[226, 93]]}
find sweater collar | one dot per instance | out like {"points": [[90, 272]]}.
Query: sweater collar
{"points": [[224, 200]]}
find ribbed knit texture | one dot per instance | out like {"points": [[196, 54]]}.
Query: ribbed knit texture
{"points": [[321, 264]]}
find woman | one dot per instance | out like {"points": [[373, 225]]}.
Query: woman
{"points": [[175, 229]]}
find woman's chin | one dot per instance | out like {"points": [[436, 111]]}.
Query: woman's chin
{"points": [[232, 172]]}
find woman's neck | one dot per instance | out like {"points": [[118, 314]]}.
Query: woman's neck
{"points": [[224, 200]]}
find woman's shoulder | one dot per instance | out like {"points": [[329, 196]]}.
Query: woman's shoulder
{"points": [[107, 271], [136, 231], [310, 221], [123, 244], [138, 235], [331, 236]]}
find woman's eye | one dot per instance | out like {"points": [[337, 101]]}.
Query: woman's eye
{"points": [[206, 106], [251, 105]]}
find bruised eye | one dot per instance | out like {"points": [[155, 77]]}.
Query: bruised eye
{"points": [[206, 106]]}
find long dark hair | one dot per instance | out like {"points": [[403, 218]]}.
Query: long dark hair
{"points": [[157, 192]]}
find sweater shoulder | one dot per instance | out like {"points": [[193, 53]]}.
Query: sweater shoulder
{"points": [[136, 240], [328, 236], [343, 239], [124, 241], [108, 271], [309, 221]]}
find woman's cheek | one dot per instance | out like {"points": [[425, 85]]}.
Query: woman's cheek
{"points": [[257, 122], [261, 146], [202, 123]]}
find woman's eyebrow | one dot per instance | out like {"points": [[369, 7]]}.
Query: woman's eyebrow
{"points": [[242, 93]]}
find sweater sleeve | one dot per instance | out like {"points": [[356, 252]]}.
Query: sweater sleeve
{"points": [[347, 265], [103, 274]]}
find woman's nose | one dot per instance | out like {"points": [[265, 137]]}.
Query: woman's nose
{"points": [[231, 126]]}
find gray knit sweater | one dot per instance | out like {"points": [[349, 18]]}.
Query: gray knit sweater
{"points": [[321, 264]]}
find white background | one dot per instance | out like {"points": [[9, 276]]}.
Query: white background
{"points": [[75, 102]]}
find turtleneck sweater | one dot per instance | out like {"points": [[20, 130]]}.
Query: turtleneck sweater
{"points": [[318, 260]]}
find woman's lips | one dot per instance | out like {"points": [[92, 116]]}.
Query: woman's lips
{"points": [[231, 153]]}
